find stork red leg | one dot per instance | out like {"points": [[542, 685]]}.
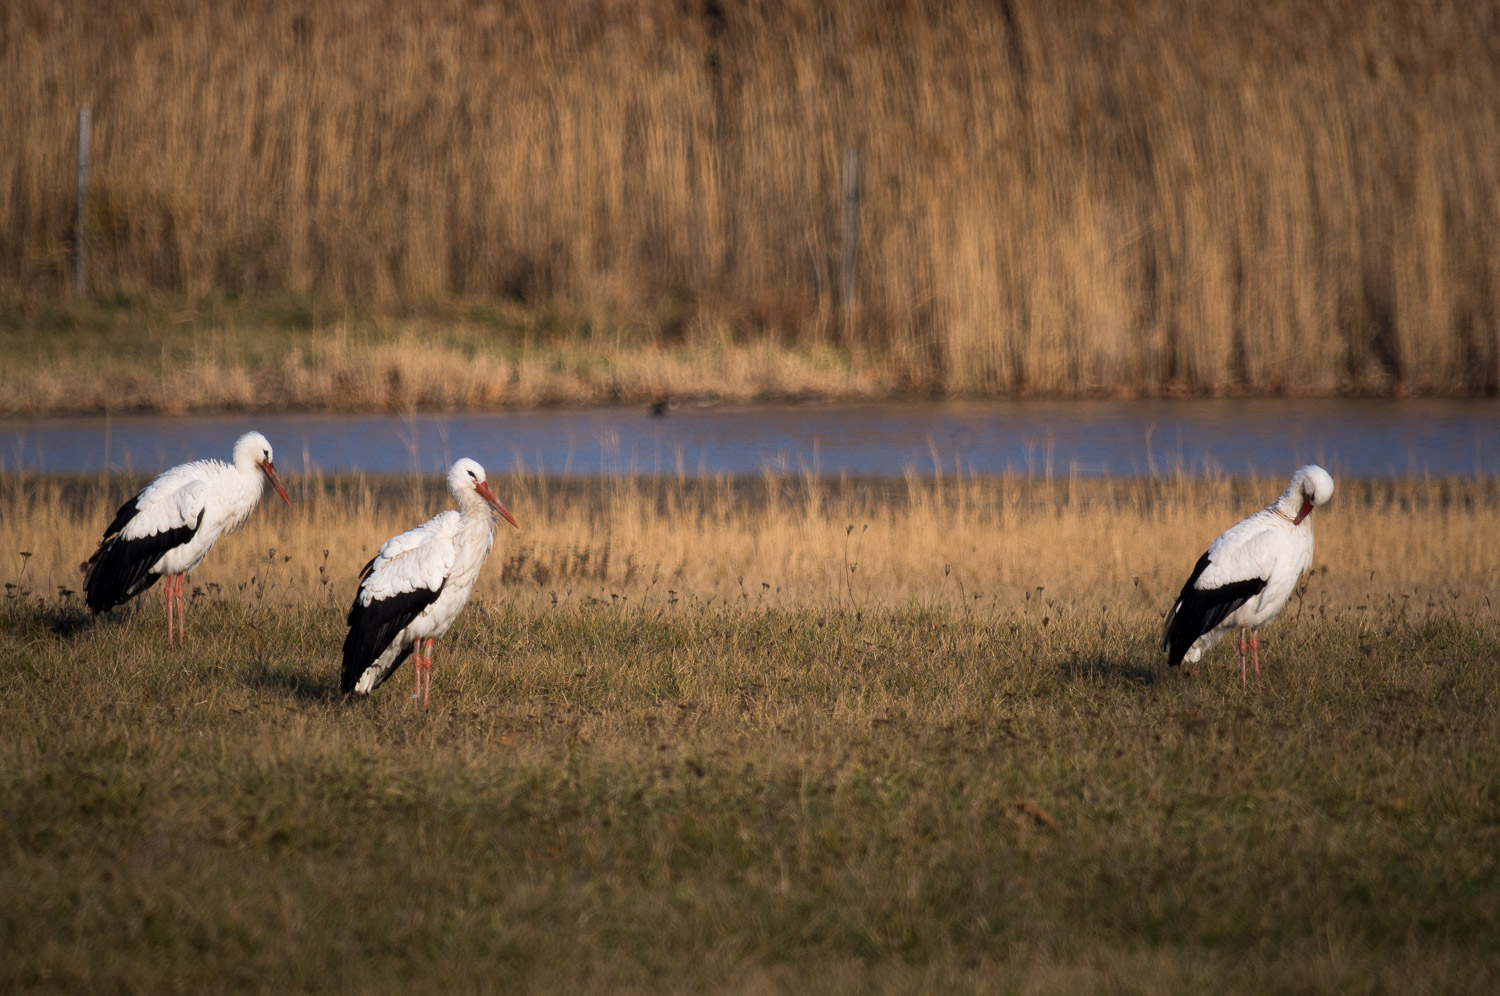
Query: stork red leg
{"points": [[421, 669], [1255, 655], [181, 613], [1243, 682], [166, 593], [426, 674], [421, 675]]}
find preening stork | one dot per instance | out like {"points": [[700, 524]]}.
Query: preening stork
{"points": [[415, 586], [1248, 574], [169, 527]]}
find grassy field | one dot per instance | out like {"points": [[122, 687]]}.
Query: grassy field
{"points": [[762, 736], [1055, 198]]}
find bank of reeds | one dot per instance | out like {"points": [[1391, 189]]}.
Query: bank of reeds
{"points": [[1158, 197]]}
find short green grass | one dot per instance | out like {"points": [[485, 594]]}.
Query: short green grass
{"points": [[684, 796]]}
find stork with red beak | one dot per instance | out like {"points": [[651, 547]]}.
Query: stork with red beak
{"points": [[168, 528], [1248, 574], [415, 586]]}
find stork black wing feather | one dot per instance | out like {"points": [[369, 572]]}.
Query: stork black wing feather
{"points": [[125, 513], [121, 568], [372, 628], [1199, 610]]}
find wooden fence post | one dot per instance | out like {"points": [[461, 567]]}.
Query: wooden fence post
{"points": [[80, 235]]}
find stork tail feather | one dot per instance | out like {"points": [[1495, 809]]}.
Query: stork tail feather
{"points": [[121, 569], [370, 656]]}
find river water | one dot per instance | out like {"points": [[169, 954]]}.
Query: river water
{"points": [[1365, 438]]}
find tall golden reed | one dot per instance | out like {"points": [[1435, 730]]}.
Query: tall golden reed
{"points": [[1147, 197]]}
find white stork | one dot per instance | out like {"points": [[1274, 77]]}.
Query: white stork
{"points": [[417, 583], [169, 527], [1248, 574]]}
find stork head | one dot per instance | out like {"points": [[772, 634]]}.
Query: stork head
{"points": [[252, 451], [466, 479], [1311, 487]]}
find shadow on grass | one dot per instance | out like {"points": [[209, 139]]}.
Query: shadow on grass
{"points": [[66, 620], [58, 618], [1104, 670], [296, 685]]}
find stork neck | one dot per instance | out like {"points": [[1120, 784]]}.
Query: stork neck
{"points": [[475, 509], [1290, 501], [1295, 509]]}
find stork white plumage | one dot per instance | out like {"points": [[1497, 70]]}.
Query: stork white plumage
{"points": [[415, 586], [169, 527], [1248, 574]]}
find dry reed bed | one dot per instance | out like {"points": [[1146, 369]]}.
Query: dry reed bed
{"points": [[999, 546], [1057, 198]]}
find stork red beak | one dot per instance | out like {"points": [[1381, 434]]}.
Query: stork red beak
{"points": [[1304, 512], [489, 496], [270, 469]]}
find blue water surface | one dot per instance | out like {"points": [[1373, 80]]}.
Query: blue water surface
{"points": [[1367, 438]]}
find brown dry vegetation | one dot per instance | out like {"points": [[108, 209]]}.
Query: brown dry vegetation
{"points": [[147, 356], [761, 736], [1152, 197], [800, 541]]}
